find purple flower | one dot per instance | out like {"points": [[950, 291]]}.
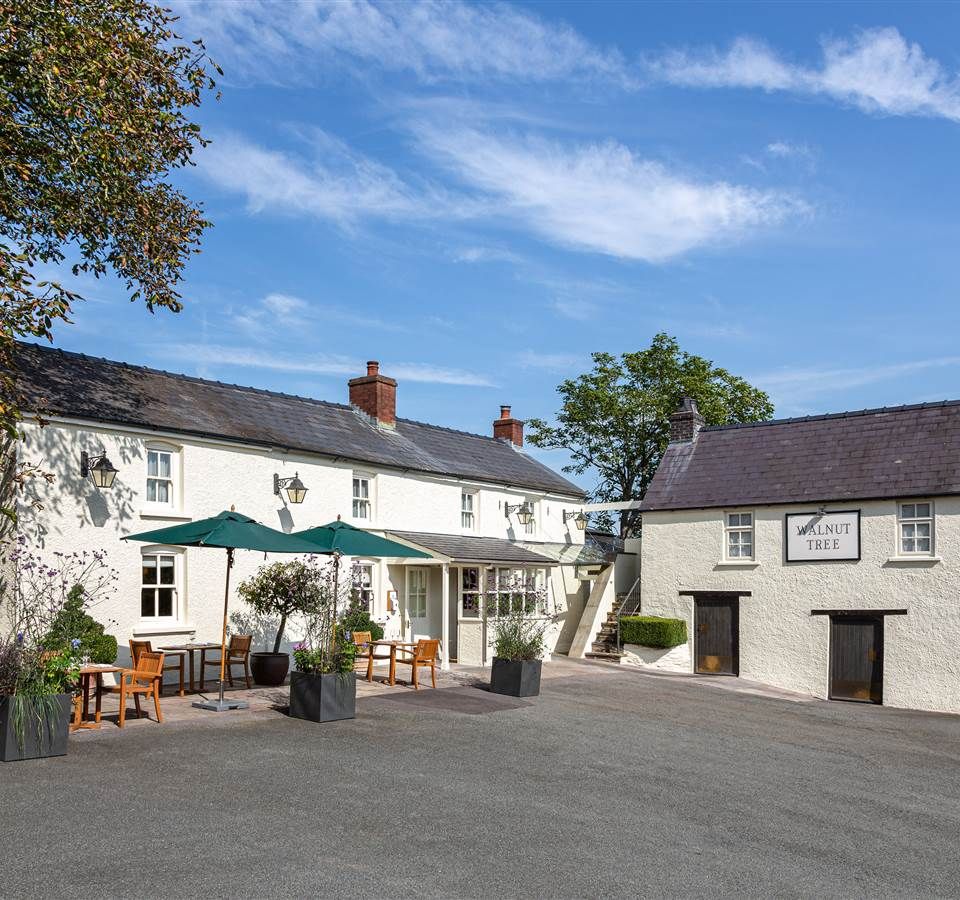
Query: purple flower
{"points": [[75, 643], [19, 637]]}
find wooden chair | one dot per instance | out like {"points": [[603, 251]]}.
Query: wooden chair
{"points": [[364, 648], [238, 654], [138, 647], [142, 681], [423, 656]]}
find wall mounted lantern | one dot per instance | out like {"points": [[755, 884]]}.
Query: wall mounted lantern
{"points": [[523, 510], [294, 487], [580, 518], [99, 468]]}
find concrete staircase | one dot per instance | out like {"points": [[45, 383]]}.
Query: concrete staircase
{"points": [[604, 646]]}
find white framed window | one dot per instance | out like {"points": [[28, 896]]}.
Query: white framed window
{"points": [[738, 535], [514, 589], [362, 497], [470, 593], [468, 510], [365, 587], [915, 528], [159, 595], [416, 593], [160, 472]]}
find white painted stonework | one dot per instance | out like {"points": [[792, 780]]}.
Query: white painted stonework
{"points": [[211, 476], [673, 659], [781, 643]]}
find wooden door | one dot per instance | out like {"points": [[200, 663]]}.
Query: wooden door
{"points": [[856, 658], [717, 634]]}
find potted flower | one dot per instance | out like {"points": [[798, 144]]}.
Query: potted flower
{"points": [[277, 592], [518, 619], [323, 688], [39, 662]]}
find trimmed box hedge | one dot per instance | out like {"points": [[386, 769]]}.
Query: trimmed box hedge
{"points": [[653, 631]]}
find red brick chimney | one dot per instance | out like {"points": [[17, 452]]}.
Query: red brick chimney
{"points": [[375, 394], [506, 428]]}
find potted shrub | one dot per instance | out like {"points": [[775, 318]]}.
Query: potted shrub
{"points": [[279, 591], [517, 616], [324, 688], [39, 659]]}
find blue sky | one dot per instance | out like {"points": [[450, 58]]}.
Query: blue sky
{"points": [[479, 196]]}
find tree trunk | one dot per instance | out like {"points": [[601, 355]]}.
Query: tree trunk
{"points": [[280, 629]]}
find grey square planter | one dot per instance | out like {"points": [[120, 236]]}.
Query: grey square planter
{"points": [[48, 739], [516, 677], [323, 698]]}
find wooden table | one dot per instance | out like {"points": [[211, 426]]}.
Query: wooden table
{"points": [[393, 655], [190, 649], [87, 673]]}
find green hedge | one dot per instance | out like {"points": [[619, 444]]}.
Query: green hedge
{"points": [[653, 631]]}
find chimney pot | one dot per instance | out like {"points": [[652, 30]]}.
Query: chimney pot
{"points": [[373, 367], [504, 412]]}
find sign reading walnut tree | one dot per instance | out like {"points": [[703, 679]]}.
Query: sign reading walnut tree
{"points": [[826, 535]]}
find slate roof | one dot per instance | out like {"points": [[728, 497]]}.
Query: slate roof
{"points": [[100, 390], [468, 548], [900, 451]]}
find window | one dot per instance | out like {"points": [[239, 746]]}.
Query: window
{"points": [[916, 529], [417, 593], [158, 586], [470, 593], [160, 477], [468, 518], [515, 590], [365, 585], [739, 536], [361, 498]]}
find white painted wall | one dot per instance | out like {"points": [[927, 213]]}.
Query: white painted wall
{"points": [[213, 476], [780, 642]]}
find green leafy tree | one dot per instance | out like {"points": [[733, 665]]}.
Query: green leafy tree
{"points": [[614, 421], [95, 101], [75, 629]]}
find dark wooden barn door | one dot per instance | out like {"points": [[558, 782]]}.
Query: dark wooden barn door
{"points": [[717, 634], [856, 658]]}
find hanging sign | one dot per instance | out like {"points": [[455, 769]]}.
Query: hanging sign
{"points": [[825, 535]]}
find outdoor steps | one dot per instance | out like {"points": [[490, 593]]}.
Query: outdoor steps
{"points": [[605, 646]]}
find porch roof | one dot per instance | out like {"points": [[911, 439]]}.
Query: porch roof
{"points": [[570, 554], [468, 548]]}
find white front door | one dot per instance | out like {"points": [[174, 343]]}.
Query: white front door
{"points": [[418, 622]]}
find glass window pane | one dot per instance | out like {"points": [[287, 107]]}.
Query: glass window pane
{"points": [[165, 601], [923, 529], [163, 465], [149, 570], [163, 491], [745, 518], [909, 545], [907, 510], [146, 603], [166, 570], [923, 510], [908, 531], [152, 462], [151, 491], [734, 549], [923, 545], [471, 579]]}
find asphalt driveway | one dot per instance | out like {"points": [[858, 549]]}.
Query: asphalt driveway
{"points": [[611, 783]]}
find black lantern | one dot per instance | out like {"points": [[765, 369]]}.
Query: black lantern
{"points": [[580, 519], [99, 468], [295, 488], [523, 510]]}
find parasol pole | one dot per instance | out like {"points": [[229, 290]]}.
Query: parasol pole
{"points": [[336, 588], [223, 631]]}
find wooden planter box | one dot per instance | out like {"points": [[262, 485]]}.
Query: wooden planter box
{"points": [[40, 740], [323, 698], [516, 677]]}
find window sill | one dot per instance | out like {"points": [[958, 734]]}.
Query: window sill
{"points": [[145, 628], [913, 560], [161, 512], [737, 564]]}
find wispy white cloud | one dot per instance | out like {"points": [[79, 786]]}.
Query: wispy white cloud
{"points": [[551, 362], [215, 355], [793, 386], [601, 197], [575, 309], [485, 254], [877, 70], [283, 40]]}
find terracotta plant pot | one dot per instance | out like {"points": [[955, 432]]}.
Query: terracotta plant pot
{"points": [[269, 669]]}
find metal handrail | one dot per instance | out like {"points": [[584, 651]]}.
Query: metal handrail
{"points": [[634, 588]]}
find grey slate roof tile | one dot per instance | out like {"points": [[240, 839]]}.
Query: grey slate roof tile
{"points": [[100, 390], [476, 549], [891, 452]]}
